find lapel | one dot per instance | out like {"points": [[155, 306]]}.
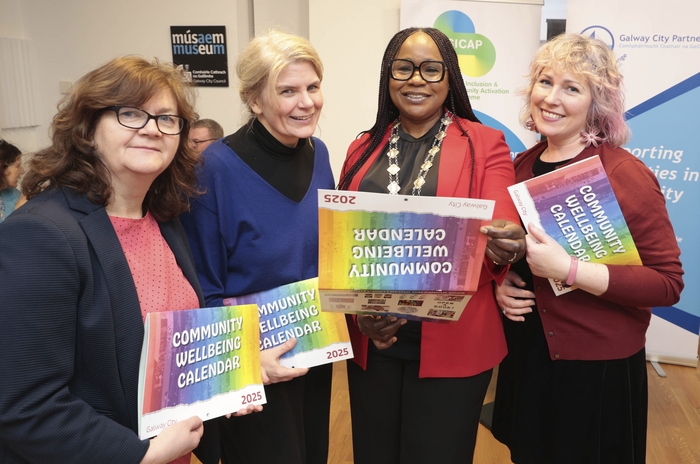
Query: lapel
{"points": [[125, 306], [455, 159]]}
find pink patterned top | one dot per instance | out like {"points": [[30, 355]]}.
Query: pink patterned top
{"points": [[159, 281]]}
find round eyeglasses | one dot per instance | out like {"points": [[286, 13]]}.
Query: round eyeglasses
{"points": [[429, 70], [196, 142], [136, 118]]}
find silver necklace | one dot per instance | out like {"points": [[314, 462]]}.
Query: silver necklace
{"points": [[393, 154]]}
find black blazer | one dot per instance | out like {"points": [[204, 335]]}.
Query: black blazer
{"points": [[71, 333]]}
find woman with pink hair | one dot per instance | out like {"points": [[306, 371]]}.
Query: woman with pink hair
{"points": [[573, 387]]}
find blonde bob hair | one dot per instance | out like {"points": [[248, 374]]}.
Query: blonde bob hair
{"points": [[263, 59], [595, 62]]}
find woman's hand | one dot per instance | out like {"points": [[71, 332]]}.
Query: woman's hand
{"points": [[545, 256], [381, 329], [174, 441], [513, 299], [549, 259], [251, 408], [506, 241], [272, 370]]}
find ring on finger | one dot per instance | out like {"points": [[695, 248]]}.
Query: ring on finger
{"points": [[515, 255]]}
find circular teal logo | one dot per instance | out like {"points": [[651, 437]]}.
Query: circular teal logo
{"points": [[475, 52]]}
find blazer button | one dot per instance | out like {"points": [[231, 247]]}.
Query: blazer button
{"points": [[544, 310], [551, 334], [556, 355]]}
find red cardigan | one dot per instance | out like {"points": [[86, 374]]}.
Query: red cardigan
{"points": [[578, 325], [476, 342]]}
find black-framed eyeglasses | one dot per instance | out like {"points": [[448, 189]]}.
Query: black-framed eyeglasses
{"points": [[136, 118], [196, 142], [430, 70]]}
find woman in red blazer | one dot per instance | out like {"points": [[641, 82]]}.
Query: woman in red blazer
{"points": [[416, 391]]}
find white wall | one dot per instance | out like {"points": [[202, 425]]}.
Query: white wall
{"points": [[552, 9], [351, 38], [74, 37], [288, 15], [12, 26], [10, 23]]}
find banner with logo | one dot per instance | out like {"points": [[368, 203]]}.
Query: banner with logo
{"points": [[660, 60], [202, 52], [495, 43]]}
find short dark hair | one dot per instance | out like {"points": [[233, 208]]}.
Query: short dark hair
{"points": [[457, 102], [71, 160], [212, 126], [8, 156]]}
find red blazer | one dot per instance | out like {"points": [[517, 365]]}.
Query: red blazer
{"points": [[476, 342]]}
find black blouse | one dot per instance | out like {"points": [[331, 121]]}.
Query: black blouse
{"points": [[412, 152]]}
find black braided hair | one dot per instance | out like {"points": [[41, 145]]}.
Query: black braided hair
{"points": [[386, 110]]}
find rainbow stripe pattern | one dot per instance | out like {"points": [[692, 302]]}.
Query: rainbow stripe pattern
{"points": [[294, 311], [401, 243], [577, 207], [201, 362]]}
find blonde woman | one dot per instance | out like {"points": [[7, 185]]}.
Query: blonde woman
{"points": [[256, 228]]}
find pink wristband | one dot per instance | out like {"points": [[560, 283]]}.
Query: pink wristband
{"points": [[572, 271]]}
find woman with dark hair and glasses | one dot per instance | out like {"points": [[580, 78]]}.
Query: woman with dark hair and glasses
{"points": [[10, 171], [97, 246], [416, 390]]}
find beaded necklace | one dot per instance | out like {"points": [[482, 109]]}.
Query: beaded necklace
{"points": [[393, 154]]}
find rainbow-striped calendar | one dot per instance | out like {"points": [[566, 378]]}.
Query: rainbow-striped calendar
{"points": [[577, 207], [414, 257], [202, 362], [294, 311]]}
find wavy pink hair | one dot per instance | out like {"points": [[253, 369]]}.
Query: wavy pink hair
{"points": [[592, 59]]}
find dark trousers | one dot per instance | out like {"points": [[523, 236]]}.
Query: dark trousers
{"points": [[291, 429], [399, 418]]}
